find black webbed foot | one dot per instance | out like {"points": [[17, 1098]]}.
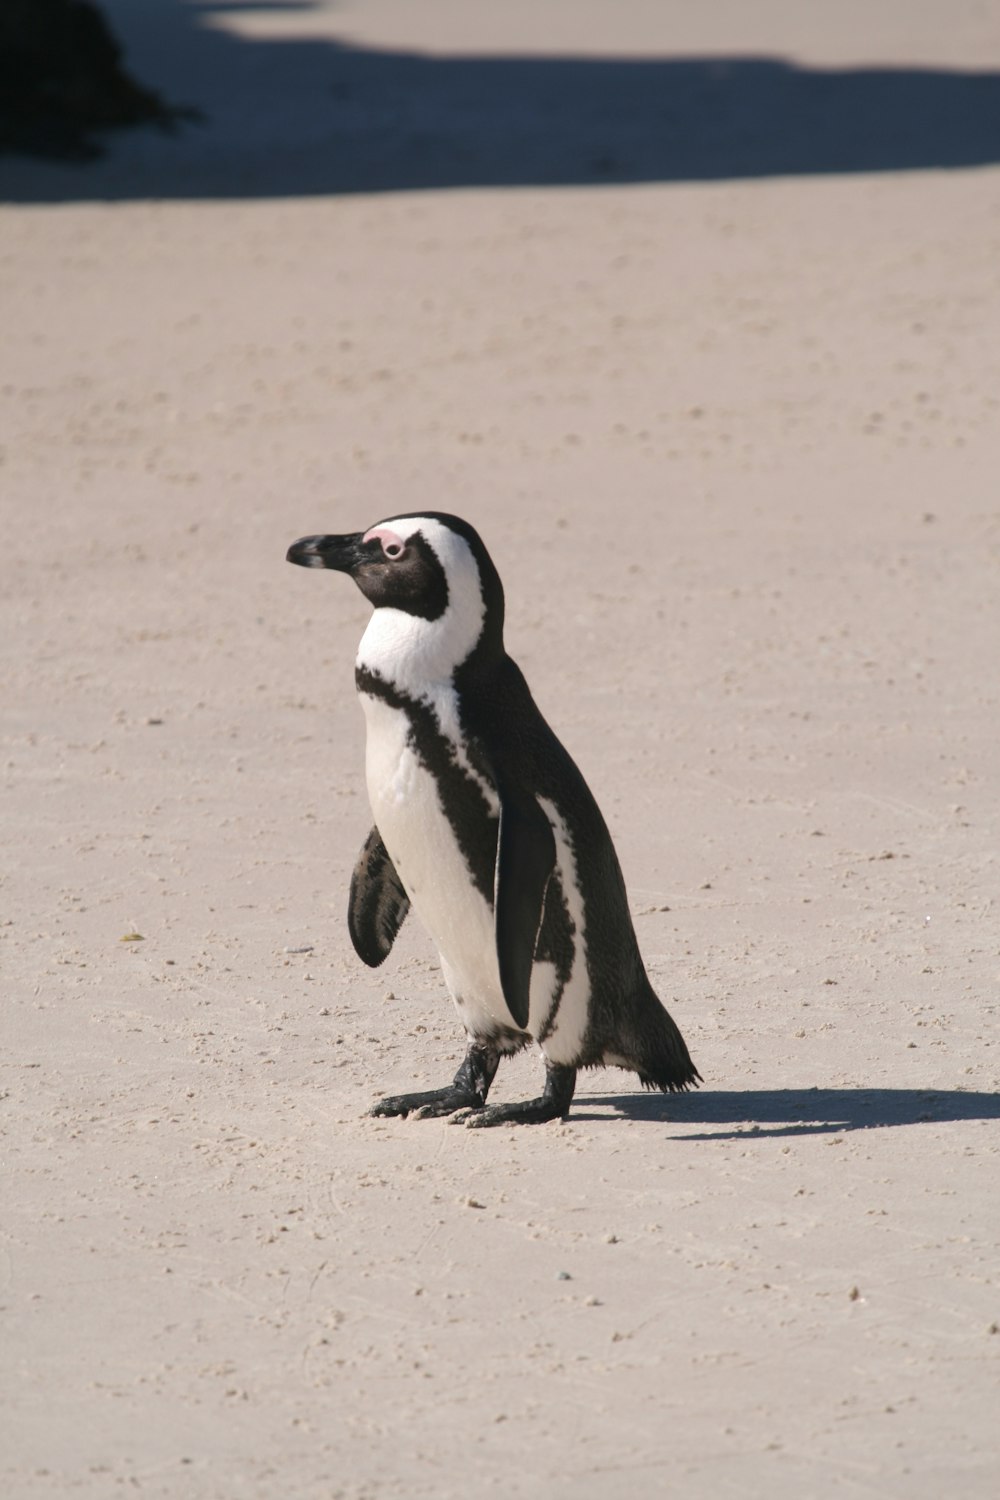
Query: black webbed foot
{"points": [[553, 1104], [468, 1090], [427, 1105]]}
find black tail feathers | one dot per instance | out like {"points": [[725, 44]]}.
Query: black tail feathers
{"points": [[662, 1059]]}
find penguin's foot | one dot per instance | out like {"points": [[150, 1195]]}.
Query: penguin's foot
{"points": [[553, 1104], [467, 1090], [427, 1105]]}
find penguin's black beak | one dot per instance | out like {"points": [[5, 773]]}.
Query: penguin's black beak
{"points": [[343, 553]]}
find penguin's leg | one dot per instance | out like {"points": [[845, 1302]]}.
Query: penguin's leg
{"points": [[468, 1090], [554, 1103]]}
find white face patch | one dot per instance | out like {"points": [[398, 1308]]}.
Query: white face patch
{"points": [[412, 652]]}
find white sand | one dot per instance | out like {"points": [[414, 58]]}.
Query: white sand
{"points": [[735, 447]]}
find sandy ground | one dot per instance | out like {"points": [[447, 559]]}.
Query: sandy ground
{"points": [[733, 440]]}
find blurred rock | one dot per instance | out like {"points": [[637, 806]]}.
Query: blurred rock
{"points": [[62, 80]]}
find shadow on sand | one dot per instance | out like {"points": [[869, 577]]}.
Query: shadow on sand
{"points": [[300, 116], [782, 1112]]}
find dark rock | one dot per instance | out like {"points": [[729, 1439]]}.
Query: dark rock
{"points": [[62, 79]]}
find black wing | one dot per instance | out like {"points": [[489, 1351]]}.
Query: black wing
{"points": [[378, 903], [526, 857]]}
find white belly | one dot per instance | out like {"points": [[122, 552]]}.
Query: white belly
{"points": [[422, 845]]}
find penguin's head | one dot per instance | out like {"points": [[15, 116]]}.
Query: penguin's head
{"points": [[430, 571]]}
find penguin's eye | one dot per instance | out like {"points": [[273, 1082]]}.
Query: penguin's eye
{"points": [[392, 544]]}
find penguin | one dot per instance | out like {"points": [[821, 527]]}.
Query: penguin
{"points": [[487, 829]]}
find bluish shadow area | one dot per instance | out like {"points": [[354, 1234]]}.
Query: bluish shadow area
{"points": [[298, 117], [757, 1113]]}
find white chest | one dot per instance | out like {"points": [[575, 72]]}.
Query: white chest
{"points": [[421, 839], [406, 803]]}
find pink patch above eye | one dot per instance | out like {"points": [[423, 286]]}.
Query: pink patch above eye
{"points": [[392, 545]]}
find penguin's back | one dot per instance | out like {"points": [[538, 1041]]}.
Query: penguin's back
{"points": [[605, 1009]]}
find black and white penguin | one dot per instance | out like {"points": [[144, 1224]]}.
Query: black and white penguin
{"points": [[484, 825]]}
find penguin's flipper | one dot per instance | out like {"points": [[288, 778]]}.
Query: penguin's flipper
{"points": [[526, 857], [378, 903]]}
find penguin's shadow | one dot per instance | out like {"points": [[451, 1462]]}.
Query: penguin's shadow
{"points": [[785, 1112]]}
